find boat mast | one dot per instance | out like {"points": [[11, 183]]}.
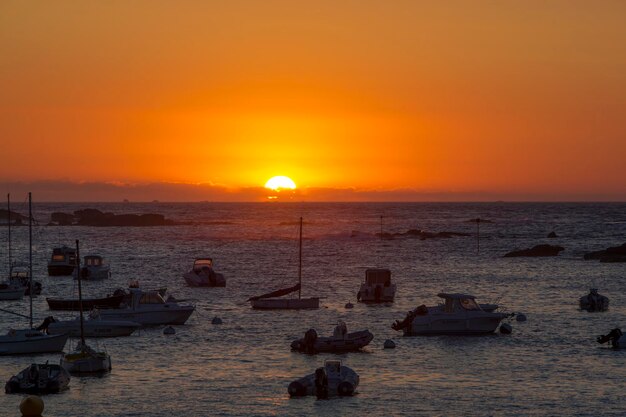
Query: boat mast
{"points": [[300, 264], [9, 224], [80, 297], [30, 255]]}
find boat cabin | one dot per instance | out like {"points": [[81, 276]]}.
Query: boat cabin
{"points": [[147, 297], [200, 263], [376, 276], [459, 302], [94, 260], [63, 254]]}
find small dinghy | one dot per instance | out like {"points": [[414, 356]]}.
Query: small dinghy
{"points": [[39, 379], [203, 275], [615, 338], [333, 379], [594, 301], [340, 341]]}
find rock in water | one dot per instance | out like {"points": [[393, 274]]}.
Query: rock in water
{"points": [[389, 344], [520, 317], [349, 305], [539, 250], [216, 320]]}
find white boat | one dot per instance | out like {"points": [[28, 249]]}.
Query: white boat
{"points": [[93, 269], [203, 275], [270, 301], [333, 379], [377, 287], [594, 301], [340, 341], [92, 327], [148, 308], [615, 338], [26, 341], [84, 359], [459, 315], [20, 275], [39, 379], [11, 291]]}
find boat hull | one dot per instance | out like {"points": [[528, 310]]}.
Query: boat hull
{"points": [[94, 328], [76, 363], [177, 315], [11, 293], [47, 379], [202, 280], [72, 304], [60, 270], [374, 294], [285, 303], [335, 344], [454, 325], [342, 383], [18, 343]]}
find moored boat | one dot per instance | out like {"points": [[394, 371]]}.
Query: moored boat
{"points": [[594, 301], [377, 287], [459, 315], [62, 262], [202, 274], [340, 341], [333, 379], [39, 379], [615, 338], [93, 269], [92, 327], [10, 291], [72, 304]]}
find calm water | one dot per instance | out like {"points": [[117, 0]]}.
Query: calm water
{"points": [[550, 365]]}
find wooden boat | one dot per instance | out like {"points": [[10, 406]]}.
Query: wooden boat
{"points": [[270, 301], [39, 379]]}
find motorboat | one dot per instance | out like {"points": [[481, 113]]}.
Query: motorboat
{"points": [[377, 287], [615, 338], [84, 359], [203, 275], [594, 301], [458, 315], [148, 308], [93, 269], [271, 300], [20, 275], [92, 327], [39, 379], [11, 291], [72, 304], [333, 379], [26, 341], [340, 341], [62, 262]]}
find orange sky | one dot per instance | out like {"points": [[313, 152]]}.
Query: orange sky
{"points": [[503, 98]]}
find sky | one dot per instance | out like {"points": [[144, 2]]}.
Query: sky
{"points": [[353, 100]]}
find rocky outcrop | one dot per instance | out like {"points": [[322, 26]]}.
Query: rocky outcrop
{"points": [[539, 250], [420, 234], [16, 218], [612, 254], [95, 217]]}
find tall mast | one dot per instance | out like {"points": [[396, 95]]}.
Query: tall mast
{"points": [[30, 255], [300, 263], [9, 224], [80, 297]]}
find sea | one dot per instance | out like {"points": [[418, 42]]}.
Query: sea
{"points": [[550, 365]]}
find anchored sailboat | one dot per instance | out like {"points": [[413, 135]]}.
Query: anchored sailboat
{"points": [[270, 301]]}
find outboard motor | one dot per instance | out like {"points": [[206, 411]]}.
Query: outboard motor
{"points": [[613, 337], [321, 383]]}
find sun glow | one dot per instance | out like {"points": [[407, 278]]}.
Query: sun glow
{"points": [[280, 183]]}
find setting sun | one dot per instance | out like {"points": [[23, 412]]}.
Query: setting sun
{"points": [[280, 182]]}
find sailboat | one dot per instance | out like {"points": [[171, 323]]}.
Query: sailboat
{"points": [[270, 301], [84, 359], [8, 289], [25, 341]]}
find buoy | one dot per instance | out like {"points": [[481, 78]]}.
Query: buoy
{"points": [[216, 320], [169, 330], [31, 406], [349, 305], [520, 317], [389, 344], [506, 328]]}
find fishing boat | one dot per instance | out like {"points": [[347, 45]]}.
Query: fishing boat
{"points": [[39, 379], [84, 359], [458, 315], [25, 341], [270, 301], [92, 327], [377, 287], [340, 341], [148, 308], [62, 262], [203, 275], [93, 269], [333, 379]]}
